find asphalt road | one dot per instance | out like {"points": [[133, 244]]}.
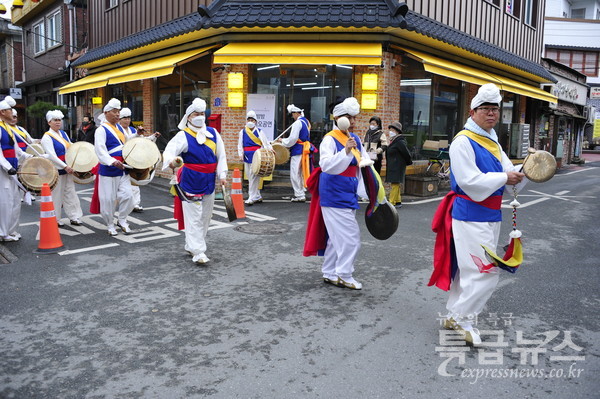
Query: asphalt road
{"points": [[133, 317]]}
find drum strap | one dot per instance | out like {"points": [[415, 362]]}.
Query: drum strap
{"points": [[116, 131], [486, 143], [17, 133], [252, 136], [343, 138], [210, 143], [8, 130], [58, 138]]}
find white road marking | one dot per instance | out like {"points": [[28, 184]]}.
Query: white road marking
{"points": [[87, 249]]}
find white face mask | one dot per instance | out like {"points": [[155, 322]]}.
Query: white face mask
{"points": [[373, 127], [198, 121], [392, 133], [250, 125]]}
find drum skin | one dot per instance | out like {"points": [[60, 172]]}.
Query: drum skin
{"points": [[263, 162], [142, 155], [81, 157], [539, 166], [282, 154], [36, 171], [383, 223]]}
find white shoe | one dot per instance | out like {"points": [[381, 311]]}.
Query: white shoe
{"points": [[76, 222], [138, 209], [60, 224], [350, 282], [298, 199], [200, 259], [9, 239], [112, 231], [124, 227], [16, 235], [249, 202]]}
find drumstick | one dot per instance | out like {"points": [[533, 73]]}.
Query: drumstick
{"points": [[130, 151], [74, 159], [27, 173], [289, 127]]}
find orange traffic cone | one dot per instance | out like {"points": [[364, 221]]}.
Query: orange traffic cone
{"points": [[237, 197], [50, 241]]}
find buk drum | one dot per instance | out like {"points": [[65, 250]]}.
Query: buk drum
{"points": [[263, 162], [282, 154], [141, 155], [36, 171], [35, 149], [81, 157]]}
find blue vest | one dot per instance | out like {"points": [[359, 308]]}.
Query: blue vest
{"points": [[338, 191], [194, 182], [7, 145], [304, 135], [247, 142], [60, 149], [112, 142], [470, 211]]}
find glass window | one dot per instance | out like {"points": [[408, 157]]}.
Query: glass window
{"points": [[577, 63], [111, 3], [578, 13], [415, 103], [494, 2], [513, 7], [39, 38], [530, 12], [309, 87], [591, 64], [445, 108], [54, 29]]}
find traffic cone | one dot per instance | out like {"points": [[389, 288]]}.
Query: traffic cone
{"points": [[50, 241], [237, 197]]}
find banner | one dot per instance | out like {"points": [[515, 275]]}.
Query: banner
{"points": [[264, 106]]}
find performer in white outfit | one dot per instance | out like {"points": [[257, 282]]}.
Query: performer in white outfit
{"points": [[340, 185], [252, 139], [125, 122], [480, 170], [10, 157], [112, 184], [55, 143], [203, 157], [296, 141]]}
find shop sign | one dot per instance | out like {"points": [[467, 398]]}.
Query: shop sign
{"points": [[570, 91], [15, 93], [595, 92]]}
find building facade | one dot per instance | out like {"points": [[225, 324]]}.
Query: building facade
{"points": [[52, 31], [401, 64], [11, 61]]}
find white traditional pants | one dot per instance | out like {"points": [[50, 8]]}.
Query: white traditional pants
{"points": [[471, 289], [115, 193], [137, 196], [10, 205], [197, 216], [296, 176], [65, 196], [253, 182], [343, 243]]}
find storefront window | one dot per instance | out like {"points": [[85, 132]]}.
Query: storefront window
{"points": [[445, 108], [309, 87], [415, 103], [176, 92], [131, 96]]}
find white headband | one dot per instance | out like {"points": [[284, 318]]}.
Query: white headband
{"points": [[112, 104], [488, 93], [198, 105], [125, 113], [54, 114], [251, 114], [349, 106], [292, 108]]}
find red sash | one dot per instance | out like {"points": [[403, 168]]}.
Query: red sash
{"points": [[350, 171], [9, 153], [95, 204], [494, 202], [252, 148], [201, 167]]}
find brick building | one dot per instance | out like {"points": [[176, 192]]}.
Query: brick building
{"points": [[418, 62]]}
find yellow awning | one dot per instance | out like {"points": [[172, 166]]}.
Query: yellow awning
{"points": [[141, 70], [300, 53], [465, 73]]}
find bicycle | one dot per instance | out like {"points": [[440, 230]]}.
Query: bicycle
{"points": [[439, 166]]}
